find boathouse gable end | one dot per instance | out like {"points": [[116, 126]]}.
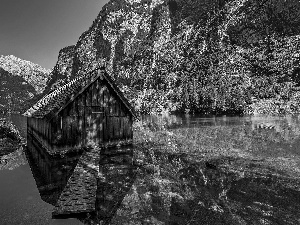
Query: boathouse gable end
{"points": [[94, 114]]}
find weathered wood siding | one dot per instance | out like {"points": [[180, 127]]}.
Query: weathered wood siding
{"points": [[41, 129], [95, 116]]}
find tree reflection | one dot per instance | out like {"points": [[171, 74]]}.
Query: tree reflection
{"points": [[214, 175], [226, 190]]}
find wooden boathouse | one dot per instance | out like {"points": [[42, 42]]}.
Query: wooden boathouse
{"points": [[88, 111]]}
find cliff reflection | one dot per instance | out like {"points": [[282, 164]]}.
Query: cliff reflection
{"points": [[82, 185]]}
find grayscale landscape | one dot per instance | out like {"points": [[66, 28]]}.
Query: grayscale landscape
{"points": [[164, 112]]}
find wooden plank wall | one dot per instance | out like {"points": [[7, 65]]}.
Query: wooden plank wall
{"points": [[69, 128], [41, 129], [117, 120]]}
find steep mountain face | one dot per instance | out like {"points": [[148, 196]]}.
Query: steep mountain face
{"points": [[125, 27], [177, 52], [20, 82], [119, 30]]}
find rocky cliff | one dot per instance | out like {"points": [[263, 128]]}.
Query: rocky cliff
{"points": [[121, 28]]}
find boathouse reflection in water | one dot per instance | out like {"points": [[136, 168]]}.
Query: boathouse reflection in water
{"points": [[88, 185]]}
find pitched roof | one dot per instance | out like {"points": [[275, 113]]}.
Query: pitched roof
{"points": [[57, 100]]}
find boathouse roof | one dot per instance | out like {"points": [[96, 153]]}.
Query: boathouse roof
{"points": [[52, 103]]}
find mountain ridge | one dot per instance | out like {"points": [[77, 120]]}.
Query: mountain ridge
{"points": [[26, 69], [21, 81]]}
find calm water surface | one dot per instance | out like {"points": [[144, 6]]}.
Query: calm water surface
{"points": [[29, 192]]}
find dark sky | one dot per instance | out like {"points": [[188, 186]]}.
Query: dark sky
{"points": [[35, 30]]}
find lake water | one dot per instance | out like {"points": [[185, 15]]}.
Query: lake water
{"points": [[209, 170]]}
